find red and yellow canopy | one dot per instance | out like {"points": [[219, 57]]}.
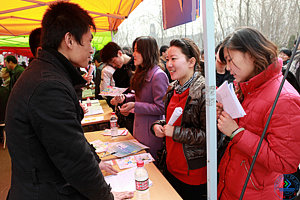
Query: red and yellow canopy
{"points": [[19, 17]]}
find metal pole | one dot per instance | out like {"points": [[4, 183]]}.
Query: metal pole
{"points": [[210, 81], [112, 35]]}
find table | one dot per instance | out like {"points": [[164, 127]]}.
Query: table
{"points": [[161, 188], [99, 121]]}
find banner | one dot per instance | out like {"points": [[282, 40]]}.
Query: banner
{"points": [[177, 12]]}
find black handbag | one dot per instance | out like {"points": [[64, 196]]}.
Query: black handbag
{"points": [[125, 121], [161, 158]]}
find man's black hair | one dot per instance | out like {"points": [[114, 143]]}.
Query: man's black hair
{"points": [[61, 18], [109, 51], [11, 58], [97, 57], [162, 49], [286, 51], [35, 40]]}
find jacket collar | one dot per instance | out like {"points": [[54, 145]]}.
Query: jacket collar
{"points": [[195, 91], [272, 72], [64, 64], [151, 73]]}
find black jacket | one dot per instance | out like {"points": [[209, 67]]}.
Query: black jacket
{"points": [[123, 75], [51, 158]]}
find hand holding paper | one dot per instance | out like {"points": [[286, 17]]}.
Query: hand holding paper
{"points": [[225, 94], [176, 114], [92, 67]]}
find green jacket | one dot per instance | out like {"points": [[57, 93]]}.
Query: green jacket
{"points": [[14, 75]]}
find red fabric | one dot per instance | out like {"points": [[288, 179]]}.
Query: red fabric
{"points": [[176, 162], [24, 51], [280, 150]]}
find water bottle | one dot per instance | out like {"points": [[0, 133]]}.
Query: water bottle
{"points": [[141, 182], [88, 102], [113, 125]]}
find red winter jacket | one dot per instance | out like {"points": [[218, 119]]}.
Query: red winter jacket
{"points": [[280, 150]]}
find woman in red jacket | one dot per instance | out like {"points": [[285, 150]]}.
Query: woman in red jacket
{"points": [[252, 60]]}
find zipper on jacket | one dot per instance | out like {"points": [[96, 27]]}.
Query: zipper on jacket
{"points": [[250, 175]]}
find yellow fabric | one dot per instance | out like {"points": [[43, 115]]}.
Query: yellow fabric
{"points": [[20, 17]]}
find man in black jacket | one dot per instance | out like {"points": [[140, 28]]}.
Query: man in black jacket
{"points": [[51, 158]]}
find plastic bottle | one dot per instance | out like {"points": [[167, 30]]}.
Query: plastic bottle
{"points": [[141, 182], [88, 102], [113, 125]]}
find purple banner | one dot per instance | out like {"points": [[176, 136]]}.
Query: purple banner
{"points": [[177, 12]]}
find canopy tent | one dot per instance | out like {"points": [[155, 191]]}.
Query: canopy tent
{"points": [[24, 51], [7, 42], [19, 17]]}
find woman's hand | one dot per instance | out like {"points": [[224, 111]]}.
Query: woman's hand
{"points": [[168, 130], [126, 108], [219, 108], [88, 78], [159, 130], [117, 99], [84, 108], [108, 168], [226, 124]]}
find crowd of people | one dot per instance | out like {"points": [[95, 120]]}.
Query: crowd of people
{"points": [[51, 159]]}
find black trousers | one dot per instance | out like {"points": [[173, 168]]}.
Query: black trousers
{"points": [[186, 191]]}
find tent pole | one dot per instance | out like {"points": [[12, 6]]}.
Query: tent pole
{"points": [[112, 35], [210, 88]]}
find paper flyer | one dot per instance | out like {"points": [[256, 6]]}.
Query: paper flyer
{"points": [[123, 181], [175, 115], [225, 94], [130, 161], [121, 132], [125, 148], [100, 146], [112, 91]]}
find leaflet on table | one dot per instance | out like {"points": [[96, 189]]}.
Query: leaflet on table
{"points": [[125, 148], [112, 91], [94, 110], [225, 94], [107, 132], [123, 181], [130, 161], [100, 146], [92, 119], [93, 102]]}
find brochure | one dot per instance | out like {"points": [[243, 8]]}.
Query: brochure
{"points": [[225, 94], [130, 161], [125, 148], [112, 91]]}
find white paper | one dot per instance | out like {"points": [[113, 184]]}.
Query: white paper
{"points": [[131, 161], [123, 181], [176, 114], [92, 67], [107, 132], [94, 109], [225, 94], [112, 91], [92, 119]]}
